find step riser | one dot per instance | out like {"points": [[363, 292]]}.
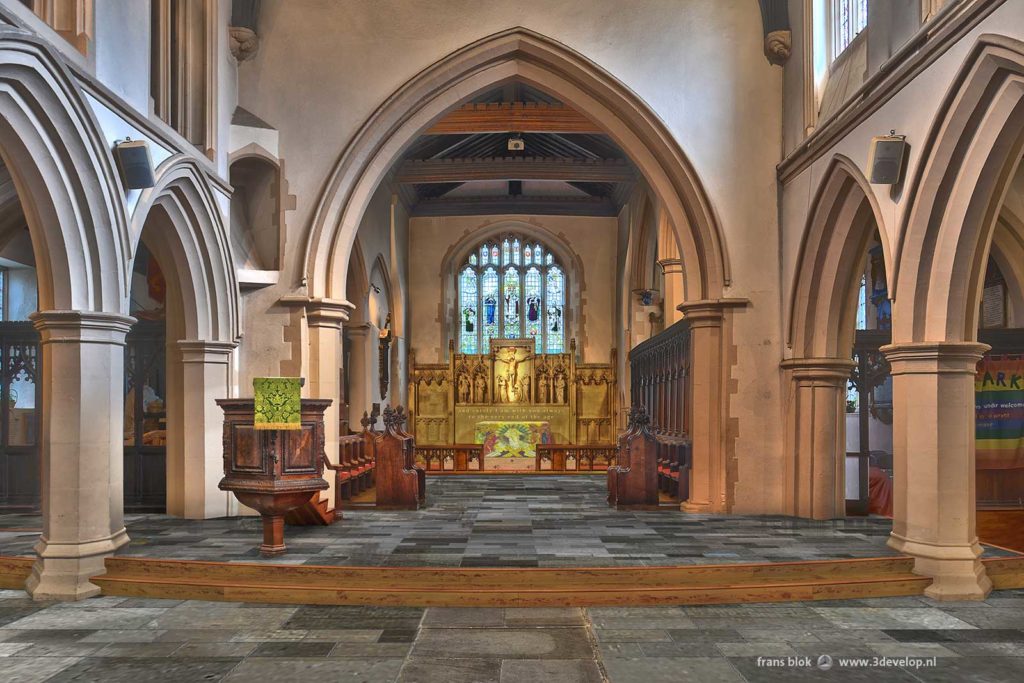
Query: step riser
{"points": [[512, 598]]}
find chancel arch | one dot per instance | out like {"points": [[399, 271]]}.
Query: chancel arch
{"points": [[970, 157], [527, 56], [520, 55]]}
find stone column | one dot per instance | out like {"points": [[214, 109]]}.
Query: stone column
{"points": [[933, 463], [206, 367], [707, 476], [818, 428], [81, 450], [325, 318]]}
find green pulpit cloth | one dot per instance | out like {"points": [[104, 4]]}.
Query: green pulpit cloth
{"points": [[278, 402]]}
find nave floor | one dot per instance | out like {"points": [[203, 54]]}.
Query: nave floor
{"points": [[127, 640], [506, 521]]}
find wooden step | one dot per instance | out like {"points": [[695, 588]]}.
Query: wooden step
{"points": [[312, 513], [712, 584], [14, 571]]}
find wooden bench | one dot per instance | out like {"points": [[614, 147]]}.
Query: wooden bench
{"points": [[674, 461]]}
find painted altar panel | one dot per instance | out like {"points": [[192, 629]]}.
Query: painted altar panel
{"points": [[467, 417]]}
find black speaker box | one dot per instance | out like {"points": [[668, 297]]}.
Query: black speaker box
{"points": [[135, 164], [886, 159]]}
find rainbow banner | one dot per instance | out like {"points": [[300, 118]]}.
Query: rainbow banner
{"points": [[999, 413]]}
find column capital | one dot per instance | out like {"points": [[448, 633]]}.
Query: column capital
{"points": [[328, 312], [81, 326], [915, 358], [708, 312], [826, 370], [201, 351]]}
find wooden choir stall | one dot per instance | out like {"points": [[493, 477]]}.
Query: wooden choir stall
{"points": [[633, 479], [659, 373], [401, 483]]}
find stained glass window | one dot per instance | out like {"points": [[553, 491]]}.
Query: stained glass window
{"points": [[555, 310], [511, 289], [468, 302], [534, 302], [490, 328]]}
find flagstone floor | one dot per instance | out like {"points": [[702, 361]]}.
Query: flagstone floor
{"points": [[501, 521], [128, 640]]}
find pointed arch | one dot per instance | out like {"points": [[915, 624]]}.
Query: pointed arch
{"points": [[970, 156], [193, 249], [540, 61], [65, 178], [843, 218]]}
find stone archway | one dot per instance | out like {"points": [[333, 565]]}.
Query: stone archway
{"points": [[552, 67], [180, 223], [73, 205], [972, 152], [843, 219]]}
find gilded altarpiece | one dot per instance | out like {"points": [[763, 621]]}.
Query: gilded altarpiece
{"points": [[513, 383]]}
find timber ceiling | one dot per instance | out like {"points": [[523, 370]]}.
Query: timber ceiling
{"points": [[568, 165]]}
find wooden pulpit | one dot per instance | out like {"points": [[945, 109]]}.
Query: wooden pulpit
{"points": [[274, 470], [633, 479], [401, 485]]}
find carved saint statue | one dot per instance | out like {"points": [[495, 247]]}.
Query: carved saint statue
{"points": [[559, 388], [481, 389], [524, 389], [542, 390], [463, 388], [502, 389]]}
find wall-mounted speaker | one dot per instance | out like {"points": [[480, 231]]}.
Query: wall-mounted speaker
{"points": [[135, 164], [886, 159]]}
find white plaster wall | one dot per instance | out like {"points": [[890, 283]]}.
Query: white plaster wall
{"points": [[121, 44], [432, 238]]}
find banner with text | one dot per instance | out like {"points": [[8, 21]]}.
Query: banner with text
{"points": [[999, 416]]}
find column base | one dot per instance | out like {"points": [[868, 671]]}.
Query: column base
{"points": [[62, 570], [955, 570], [696, 507]]}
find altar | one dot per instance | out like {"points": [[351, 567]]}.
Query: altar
{"points": [[511, 445]]}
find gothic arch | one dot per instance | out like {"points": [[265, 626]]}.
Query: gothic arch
{"points": [[840, 225], [193, 250], [357, 283], [522, 54], [567, 258], [65, 178], [970, 156]]}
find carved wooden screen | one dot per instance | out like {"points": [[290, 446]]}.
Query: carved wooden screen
{"points": [[145, 418], [19, 416], [659, 368]]}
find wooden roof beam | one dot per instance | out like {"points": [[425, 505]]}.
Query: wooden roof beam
{"points": [[515, 168], [514, 117]]}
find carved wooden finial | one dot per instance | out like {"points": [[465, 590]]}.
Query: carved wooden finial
{"points": [[640, 417], [366, 421], [392, 419]]}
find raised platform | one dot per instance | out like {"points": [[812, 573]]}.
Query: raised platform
{"points": [[510, 541]]}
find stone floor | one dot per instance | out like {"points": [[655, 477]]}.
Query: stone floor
{"points": [[117, 640], [502, 521]]}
